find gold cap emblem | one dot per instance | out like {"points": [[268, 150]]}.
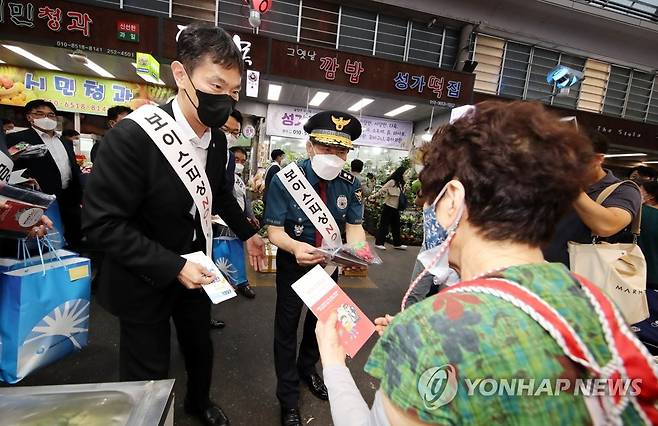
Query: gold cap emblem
{"points": [[340, 122]]}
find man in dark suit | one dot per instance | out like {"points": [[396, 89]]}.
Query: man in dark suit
{"points": [[57, 172], [139, 211], [114, 116], [277, 156]]}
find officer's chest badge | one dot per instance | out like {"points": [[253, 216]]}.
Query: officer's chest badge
{"points": [[299, 229], [341, 202]]}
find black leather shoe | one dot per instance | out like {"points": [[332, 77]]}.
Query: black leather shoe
{"points": [[212, 415], [246, 291], [218, 324], [317, 387], [290, 417]]}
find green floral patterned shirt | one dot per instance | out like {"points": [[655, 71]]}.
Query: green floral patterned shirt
{"points": [[485, 337]]}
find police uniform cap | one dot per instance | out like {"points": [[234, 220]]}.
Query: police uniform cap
{"points": [[333, 128]]}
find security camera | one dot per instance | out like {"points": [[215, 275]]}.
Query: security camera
{"points": [[79, 57], [254, 18], [563, 77]]}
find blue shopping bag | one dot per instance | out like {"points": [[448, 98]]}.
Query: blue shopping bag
{"points": [[56, 235], [228, 255], [44, 314]]}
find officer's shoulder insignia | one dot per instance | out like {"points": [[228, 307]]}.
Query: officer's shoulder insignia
{"points": [[347, 176]]}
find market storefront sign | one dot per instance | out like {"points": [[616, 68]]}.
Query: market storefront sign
{"points": [[288, 121], [619, 131], [254, 48], [128, 31], [434, 85], [75, 93], [77, 26]]}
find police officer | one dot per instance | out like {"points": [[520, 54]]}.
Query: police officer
{"points": [[331, 135]]}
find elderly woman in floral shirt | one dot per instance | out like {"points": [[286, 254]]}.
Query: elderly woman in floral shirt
{"points": [[518, 340]]}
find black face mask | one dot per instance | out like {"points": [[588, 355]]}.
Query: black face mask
{"points": [[213, 110]]}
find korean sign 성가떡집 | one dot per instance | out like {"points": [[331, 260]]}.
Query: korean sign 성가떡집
{"points": [[75, 93]]}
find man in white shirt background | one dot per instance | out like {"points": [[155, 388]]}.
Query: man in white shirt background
{"points": [[56, 172]]}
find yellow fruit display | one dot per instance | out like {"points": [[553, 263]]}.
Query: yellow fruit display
{"points": [[12, 92]]}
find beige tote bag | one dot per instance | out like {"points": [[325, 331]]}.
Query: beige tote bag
{"points": [[620, 270]]}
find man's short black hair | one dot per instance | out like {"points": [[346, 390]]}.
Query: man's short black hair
{"points": [[356, 166], [7, 121], [69, 133], [114, 112], [238, 116], [276, 154], [32, 105], [199, 40], [600, 143], [235, 149], [370, 175], [646, 172]]}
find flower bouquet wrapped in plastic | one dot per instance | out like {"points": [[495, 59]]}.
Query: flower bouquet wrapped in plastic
{"points": [[351, 255]]}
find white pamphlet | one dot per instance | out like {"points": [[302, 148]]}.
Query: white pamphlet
{"points": [[218, 290], [17, 177]]}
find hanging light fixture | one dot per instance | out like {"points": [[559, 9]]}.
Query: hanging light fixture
{"points": [[427, 136]]}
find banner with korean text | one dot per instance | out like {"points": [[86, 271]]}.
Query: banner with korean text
{"points": [[75, 93], [288, 121]]}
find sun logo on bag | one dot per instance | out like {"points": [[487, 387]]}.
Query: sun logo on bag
{"points": [[67, 322], [340, 122], [226, 267]]}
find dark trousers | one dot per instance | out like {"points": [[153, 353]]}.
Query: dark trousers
{"points": [[145, 348], [390, 218], [287, 363], [71, 213]]}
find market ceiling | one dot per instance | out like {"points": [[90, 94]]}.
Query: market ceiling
{"points": [[291, 94], [120, 67]]}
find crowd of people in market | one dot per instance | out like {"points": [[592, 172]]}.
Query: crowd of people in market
{"points": [[508, 194]]}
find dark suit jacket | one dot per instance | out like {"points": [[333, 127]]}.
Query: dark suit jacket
{"points": [[94, 151], [44, 169], [271, 171], [137, 211], [3, 143]]}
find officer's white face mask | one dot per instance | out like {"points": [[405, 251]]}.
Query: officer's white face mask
{"points": [[326, 166], [239, 168]]}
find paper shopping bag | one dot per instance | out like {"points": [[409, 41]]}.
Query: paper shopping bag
{"points": [[620, 270], [44, 315]]}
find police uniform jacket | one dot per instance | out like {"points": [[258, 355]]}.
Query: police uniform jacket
{"points": [[344, 201], [138, 212]]}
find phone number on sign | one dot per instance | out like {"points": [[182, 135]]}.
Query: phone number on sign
{"points": [[115, 52]]}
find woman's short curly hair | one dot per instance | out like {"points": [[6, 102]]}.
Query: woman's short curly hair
{"points": [[520, 166]]}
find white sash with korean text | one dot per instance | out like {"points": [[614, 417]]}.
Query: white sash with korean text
{"points": [[311, 204], [164, 131]]}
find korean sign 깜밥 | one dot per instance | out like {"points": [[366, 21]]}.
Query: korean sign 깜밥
{"points": [[75, 93]]}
